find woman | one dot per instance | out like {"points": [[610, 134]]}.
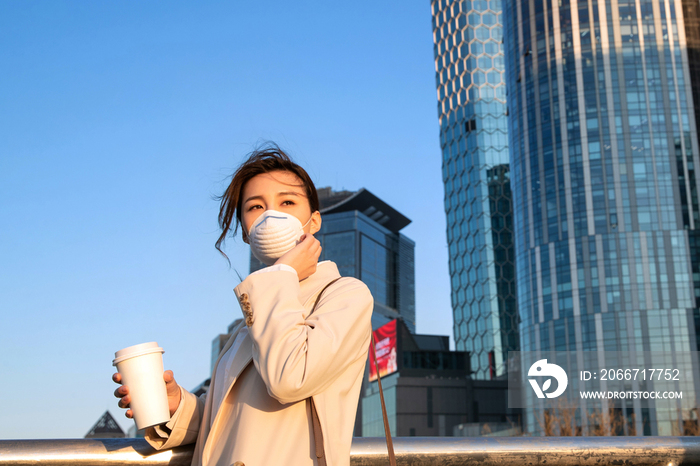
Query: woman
{"points": [[284, 360]]}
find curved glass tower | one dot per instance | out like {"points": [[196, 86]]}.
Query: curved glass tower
{"points": [[604, 147], [473, 138]]}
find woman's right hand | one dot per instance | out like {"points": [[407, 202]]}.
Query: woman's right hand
{"points": [[171, 387], [303, 257]]}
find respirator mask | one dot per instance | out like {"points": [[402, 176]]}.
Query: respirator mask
{"points": [[273, 234]]}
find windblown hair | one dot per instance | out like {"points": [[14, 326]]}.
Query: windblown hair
{"points": [[264, 160]]}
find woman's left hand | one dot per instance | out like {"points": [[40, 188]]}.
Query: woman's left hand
{"points": [[303, 257]]}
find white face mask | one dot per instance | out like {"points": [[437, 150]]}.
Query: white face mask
{"points": [[273, 234]]}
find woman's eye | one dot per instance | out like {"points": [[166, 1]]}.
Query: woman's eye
{"points": [[288, 203], [253, 207]]}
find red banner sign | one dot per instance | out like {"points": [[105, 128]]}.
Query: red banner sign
{"points": [[385, 346]]}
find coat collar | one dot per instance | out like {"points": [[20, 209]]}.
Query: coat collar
{"points": [[326, 271]]}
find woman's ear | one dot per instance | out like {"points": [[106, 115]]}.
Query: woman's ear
{"points": [[315, 224]]}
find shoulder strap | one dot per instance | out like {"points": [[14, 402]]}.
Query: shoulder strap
{"points": [[387, 431], [318, 298], [318, 433], [316, 422]]}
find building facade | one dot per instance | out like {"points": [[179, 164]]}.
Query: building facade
{"points": [[427, 389], [469, 65], [603, 142]]}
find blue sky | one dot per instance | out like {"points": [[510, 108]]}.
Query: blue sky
{"points": [[119, 121]]}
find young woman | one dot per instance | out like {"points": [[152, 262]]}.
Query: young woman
{"points": [[284, 361]]}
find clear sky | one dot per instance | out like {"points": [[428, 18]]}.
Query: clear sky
{"points": [[119, 121]]}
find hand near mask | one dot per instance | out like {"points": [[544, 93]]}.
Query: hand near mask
{"points": [[303, 257]]}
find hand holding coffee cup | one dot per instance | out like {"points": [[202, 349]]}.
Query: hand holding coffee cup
{"points": [[144, 391], [171, 387]]}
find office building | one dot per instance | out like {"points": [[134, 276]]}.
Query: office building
{"points": [[691, 20], [362, 235], [603, 141], [469, 67]]}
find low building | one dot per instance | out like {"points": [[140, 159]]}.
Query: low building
{"points": [[106, 427], [428, 389]]}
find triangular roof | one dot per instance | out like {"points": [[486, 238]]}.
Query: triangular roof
{"points": [[105, 427]]}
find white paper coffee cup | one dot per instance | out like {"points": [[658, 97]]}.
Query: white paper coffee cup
{"points": [[141, 368]]}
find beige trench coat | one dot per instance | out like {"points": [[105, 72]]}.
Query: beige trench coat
{"points": [[264, 419]]}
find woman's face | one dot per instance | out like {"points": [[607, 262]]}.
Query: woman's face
{"points": [[281, 191]]}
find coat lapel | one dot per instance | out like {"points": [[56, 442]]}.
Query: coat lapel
{"points": [[242, 358]]}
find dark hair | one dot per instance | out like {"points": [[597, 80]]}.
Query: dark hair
{"points": [[263, 160]]}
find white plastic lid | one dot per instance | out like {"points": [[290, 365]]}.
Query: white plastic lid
{"points": [[136, 350]]}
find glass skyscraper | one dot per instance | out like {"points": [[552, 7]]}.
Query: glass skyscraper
{"points": [[469, 67], [603, 141]]}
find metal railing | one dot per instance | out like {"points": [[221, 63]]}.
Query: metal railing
{"points": [[415, 451]]}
